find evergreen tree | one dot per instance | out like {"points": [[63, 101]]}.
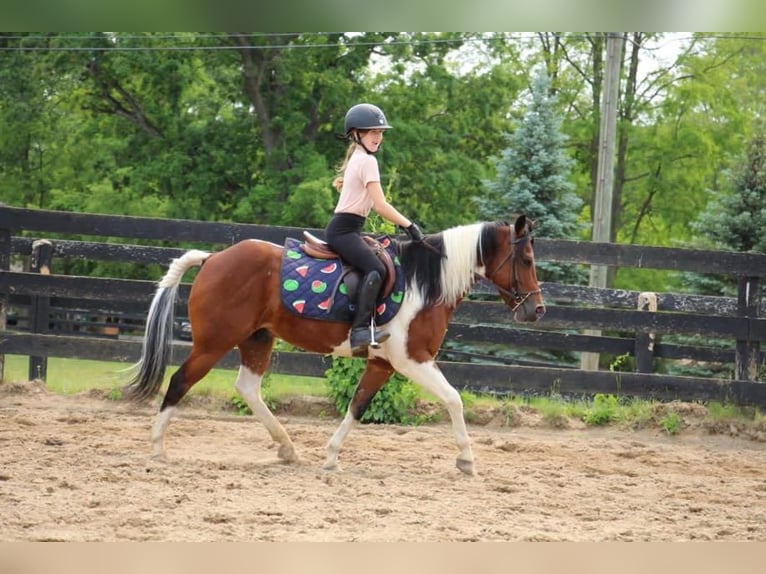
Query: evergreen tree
{"points": [[735, 216], [532, 177], [736, 219]]}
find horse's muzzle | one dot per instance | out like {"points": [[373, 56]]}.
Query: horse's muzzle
{"points": [[529, 312]]}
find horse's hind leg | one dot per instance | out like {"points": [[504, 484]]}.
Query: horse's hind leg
{"points": [[190, 372], [374, 377], [255, 353]]}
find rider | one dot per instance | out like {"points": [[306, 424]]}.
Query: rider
{"points": [[358, 182]]}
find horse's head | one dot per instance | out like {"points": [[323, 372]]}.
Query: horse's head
{"points": [[511, 267]]}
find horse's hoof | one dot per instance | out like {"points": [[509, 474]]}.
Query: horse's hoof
{"points": [[287, 454], [160, 457], [331, 466], [465, 466]]}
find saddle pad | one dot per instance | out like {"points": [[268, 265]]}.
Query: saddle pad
{"points": [[314, 288]]}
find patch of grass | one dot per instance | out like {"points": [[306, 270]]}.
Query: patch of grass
{"points": [[671, 423], [721, 412], [554, 414], [240, 406], [635, 414], [72, 376], [603, 410]]}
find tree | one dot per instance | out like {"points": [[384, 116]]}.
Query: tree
{"points": [[736, 219], [533, 178]]}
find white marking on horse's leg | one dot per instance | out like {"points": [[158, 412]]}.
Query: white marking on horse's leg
{"points": [[158, 432], [249, 387], [432, 380], [333, 446]]}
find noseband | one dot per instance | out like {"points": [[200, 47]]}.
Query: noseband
{"points": [[516, 295]]}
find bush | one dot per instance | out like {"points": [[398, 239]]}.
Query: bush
{"points": [[603, 411], [392, 404]]}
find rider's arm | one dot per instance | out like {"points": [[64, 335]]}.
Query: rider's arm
{"points": [[383, 208]]}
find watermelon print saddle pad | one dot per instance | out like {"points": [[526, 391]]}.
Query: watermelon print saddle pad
{"points": [[317, 288]]}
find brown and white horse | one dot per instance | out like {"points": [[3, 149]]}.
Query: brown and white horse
{"points": [[235, 302]]}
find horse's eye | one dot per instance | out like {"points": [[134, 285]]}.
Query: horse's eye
{"points": [[527, 262]]}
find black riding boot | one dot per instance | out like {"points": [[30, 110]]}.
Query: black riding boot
{"points": [[363, 332]]}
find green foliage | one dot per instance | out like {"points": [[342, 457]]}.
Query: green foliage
{"points": [[393, 403], [723, 412], [735, 215], [603, 410], [624, 363], [240, 406], [555, 414], [533, 178], [129, 123], [671, 423], [636, 413]]}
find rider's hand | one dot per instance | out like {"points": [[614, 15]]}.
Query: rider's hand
{"points": [[414, 232]]}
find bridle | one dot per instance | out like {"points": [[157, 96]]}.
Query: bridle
{"points": [[515, 297]]}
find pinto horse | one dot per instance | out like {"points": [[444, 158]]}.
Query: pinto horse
{"points": [[235, 302]]}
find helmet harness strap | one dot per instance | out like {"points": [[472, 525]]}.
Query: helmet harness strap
{"points": [[358, 139]]}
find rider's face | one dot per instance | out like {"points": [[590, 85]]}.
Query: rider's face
{"points": [[372, 139]]}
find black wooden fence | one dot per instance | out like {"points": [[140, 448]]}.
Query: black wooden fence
{"points": [[42, 307]]}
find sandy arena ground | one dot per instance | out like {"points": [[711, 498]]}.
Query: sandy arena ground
{"points": [[79, 469]]}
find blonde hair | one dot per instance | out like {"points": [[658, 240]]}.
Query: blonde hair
{"points": [[341, 169]]}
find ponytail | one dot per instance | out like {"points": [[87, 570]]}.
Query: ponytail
{"points": [[341, 169]]}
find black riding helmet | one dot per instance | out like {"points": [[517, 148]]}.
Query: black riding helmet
{"points": [[365, 117]]}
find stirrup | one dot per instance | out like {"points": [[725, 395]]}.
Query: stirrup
{"points": [[372, 338], [382, 336]]}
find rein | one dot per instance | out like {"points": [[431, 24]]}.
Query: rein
{"points": [[515, 294]]}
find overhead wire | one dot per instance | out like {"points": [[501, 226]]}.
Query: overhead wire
{"points": [[145, 41]]}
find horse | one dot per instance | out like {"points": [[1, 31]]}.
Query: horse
{"points": [[235, 301]]}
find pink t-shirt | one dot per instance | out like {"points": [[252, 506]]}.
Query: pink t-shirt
{"points": [[362, 168]]}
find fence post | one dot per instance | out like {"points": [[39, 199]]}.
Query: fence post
{"points": [[5, 265], [644, 351], [40, 306], [748, 353]]}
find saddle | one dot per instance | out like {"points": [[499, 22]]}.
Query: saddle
{"points": [[319, 249]]}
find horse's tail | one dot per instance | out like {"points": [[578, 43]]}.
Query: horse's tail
{"points": [[158, 336]]}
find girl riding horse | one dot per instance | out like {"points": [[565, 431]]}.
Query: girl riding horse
{"points": [[358, 182]]}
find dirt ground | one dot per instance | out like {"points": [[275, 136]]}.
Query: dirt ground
{"points": [[79, 469]]}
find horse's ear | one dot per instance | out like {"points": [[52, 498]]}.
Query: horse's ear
{"points": [[520, 223]]}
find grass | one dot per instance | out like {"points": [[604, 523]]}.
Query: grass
{"points": [[72, 376]]}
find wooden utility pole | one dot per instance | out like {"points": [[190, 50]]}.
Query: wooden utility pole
{"points": [[602, 205]]}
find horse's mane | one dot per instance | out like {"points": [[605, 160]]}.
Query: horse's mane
{"points": [[447, 278]]}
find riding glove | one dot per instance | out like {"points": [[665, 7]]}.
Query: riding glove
{"points": [[414, 232]]}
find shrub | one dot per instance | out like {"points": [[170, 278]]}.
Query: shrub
{"points": [[392, 404], [603, 411], [671, 423]]}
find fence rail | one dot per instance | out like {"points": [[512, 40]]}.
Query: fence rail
{"points": [[41, 302]]}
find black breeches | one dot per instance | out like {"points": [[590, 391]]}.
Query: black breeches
{"points": [[344, 236]]}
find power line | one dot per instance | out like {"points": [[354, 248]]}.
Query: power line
{"points": [[349, 41], [115, 46]]}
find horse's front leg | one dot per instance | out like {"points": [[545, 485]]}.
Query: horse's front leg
{"points": [[431, 379], [374, 377]]}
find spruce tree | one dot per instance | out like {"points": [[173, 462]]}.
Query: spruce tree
{"points": [[533, 177], [735, 216], [736, 219]]}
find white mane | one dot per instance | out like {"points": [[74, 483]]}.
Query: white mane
{"points": [[458, 268]]}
